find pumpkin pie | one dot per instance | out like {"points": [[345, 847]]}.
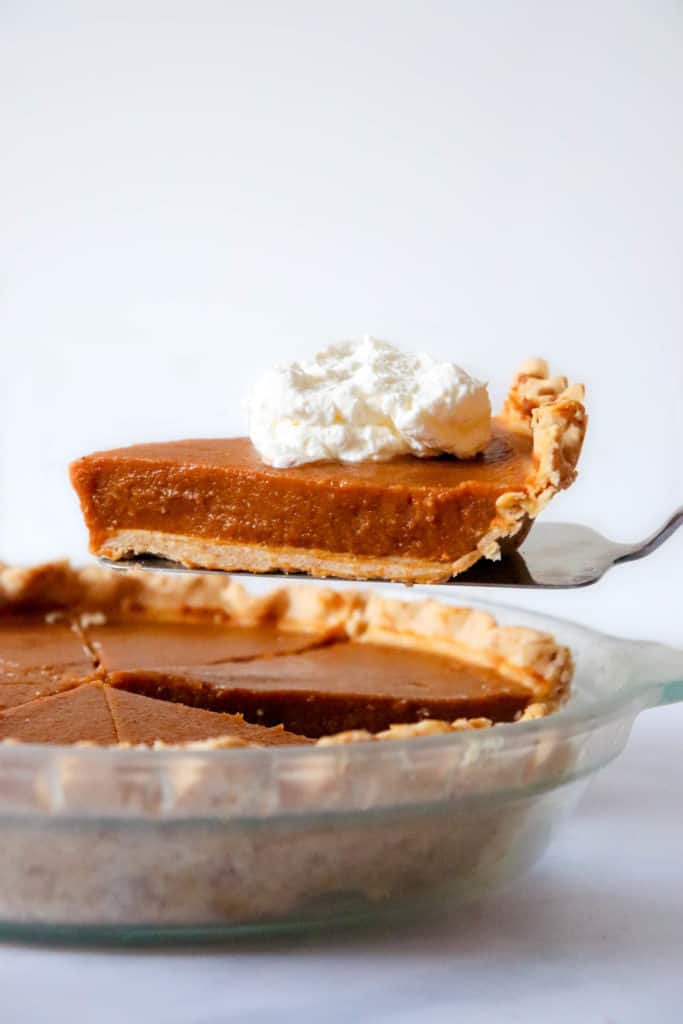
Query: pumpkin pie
{"points": [[138, 659], [214, 504]]}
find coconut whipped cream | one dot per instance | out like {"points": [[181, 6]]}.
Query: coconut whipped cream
{"points": [[366, 400]]}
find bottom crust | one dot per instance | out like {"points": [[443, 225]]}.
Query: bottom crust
{"points": [[195, 553]]}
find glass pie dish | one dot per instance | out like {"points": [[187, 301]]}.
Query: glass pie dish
{"points": [[102, 844]]}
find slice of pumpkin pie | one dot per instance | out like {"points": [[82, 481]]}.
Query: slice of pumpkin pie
{"points": [[216, 504]]}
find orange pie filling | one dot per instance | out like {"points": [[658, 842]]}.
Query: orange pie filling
{"points": [[219, 491]]}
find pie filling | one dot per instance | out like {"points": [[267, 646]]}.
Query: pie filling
{"points": [[178, 682], [292, 667], [342, 686], [219, 491]]}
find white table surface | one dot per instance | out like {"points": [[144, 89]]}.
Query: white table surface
{"points": [[593, 934]]}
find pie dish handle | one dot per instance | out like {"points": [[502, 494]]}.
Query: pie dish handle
{"points": [[655, 672]]}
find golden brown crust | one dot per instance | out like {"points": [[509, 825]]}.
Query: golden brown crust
{"points": [[405, 730], [93, 594], [552, 411], [50, 586], [195, 552], [523, 655]]}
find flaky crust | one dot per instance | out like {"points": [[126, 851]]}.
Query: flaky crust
{"points": [[59, 587], [546, 408], [526, 656], [551, 410], [405, 730]]}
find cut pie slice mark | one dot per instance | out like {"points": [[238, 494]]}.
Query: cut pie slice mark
{"points": [[149, 644], [40, 656], [94, 713], [77, 715], [139, 719], [339, 687]]}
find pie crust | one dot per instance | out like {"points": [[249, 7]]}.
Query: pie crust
{"points": [[523, 656], [543, 422]]}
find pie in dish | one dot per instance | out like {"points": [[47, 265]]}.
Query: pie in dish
{"points": [[102, 657], [214, 504]]}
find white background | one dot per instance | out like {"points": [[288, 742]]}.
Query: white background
{"points": [[191, 191]]}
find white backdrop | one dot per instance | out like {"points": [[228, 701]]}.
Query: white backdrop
{"points": [[189, 191]]}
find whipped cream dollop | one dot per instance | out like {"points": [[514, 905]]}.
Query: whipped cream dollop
{"points": [[359, 401]]}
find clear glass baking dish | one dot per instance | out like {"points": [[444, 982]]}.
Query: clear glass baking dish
{"points": [[141, 845]]}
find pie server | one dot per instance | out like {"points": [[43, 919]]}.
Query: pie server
{"points": [[554, 555]]}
